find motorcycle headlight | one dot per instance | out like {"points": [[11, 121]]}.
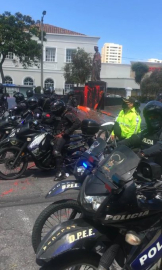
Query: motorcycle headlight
{"points": [[14, 142], [80, 170], [93, 201]]}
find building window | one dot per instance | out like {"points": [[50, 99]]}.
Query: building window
{"points": [[69, 53], [8, 80], [68, 86], [28, 81], [49, 83], [9, 55], [50, 54]]}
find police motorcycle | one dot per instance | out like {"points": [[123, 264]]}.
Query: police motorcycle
{"points": [[37, 144], [121, 226], [9, 123], [64, 209]]}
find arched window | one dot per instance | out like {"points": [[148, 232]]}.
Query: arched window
{"points": [[49, 83], [28, 81], [8, 80]]}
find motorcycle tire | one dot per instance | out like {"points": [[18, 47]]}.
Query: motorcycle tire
{"points": [[103, 134], [3, 152], [47, 213], [75, 260]]}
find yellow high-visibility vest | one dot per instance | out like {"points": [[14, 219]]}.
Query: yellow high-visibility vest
{"points": [[130, 123]]}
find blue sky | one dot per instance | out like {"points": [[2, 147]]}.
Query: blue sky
{"points": [[135, 24]]}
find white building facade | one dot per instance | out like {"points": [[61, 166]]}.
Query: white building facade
{"points": [[118, 76], [154, 60], [57, 51], [111, 53]]}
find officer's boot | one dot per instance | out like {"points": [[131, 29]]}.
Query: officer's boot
{"points": [[60, 173]]}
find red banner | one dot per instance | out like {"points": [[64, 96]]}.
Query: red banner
{"points": [[154, 68]]}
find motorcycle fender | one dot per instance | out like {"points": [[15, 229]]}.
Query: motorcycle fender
{"points": [[107, 124], [67, 236], [62, 187]]}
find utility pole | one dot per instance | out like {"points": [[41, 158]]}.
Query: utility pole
{"points": [[43, 13]]}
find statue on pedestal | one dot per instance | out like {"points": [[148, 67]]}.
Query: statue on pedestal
{"points": [[96, 66]]}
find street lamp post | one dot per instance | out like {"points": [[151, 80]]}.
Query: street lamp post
{"points": [[43, 13]]}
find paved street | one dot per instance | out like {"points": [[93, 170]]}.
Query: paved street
{"points": [[21, 201]]}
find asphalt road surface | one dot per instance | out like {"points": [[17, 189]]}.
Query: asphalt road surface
{"points": [[21, 201]]}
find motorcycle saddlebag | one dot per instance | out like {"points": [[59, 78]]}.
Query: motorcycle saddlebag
{"points": [[89, 127]]}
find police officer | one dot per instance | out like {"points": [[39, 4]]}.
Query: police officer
{"points": [[21, 105], [71, 99], [46, 99], [29, 93], [32, 103], [3, 98], [128, 121], [150, 140], [68, 123]]}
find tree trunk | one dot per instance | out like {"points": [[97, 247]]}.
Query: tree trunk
{"points": [[2, 74], [1, 70]]}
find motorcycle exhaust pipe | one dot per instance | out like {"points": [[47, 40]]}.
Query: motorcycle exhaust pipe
{"points": [[108, 257]]}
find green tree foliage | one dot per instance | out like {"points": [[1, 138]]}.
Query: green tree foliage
{"points": [[152, 85], [140, 70], [79, 70], [16, 36]]}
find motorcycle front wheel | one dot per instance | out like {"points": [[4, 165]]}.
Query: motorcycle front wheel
{"points": [[80, 260], [51, 216], [7, 158]]}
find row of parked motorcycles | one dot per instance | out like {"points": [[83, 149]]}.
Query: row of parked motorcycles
{"points": [[29, 138], [115, 222]]}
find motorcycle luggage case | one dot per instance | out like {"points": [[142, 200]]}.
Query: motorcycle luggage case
{"points": [[89, 127]]}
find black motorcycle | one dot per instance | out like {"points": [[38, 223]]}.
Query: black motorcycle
{"points": [[38, 144], [67, 209], [121, 222], [9, 124]]}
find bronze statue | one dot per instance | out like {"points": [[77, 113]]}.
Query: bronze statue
{"points": [[96, 66]]}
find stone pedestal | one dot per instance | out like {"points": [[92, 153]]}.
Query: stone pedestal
{"points": [[94, 94]]}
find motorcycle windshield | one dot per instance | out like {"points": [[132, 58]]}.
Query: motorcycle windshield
{"points": [[23, 129], [95, 150], [120, 165], [97, 147]]}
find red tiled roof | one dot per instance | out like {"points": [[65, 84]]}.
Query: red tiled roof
{"points": [[57, 30]]}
